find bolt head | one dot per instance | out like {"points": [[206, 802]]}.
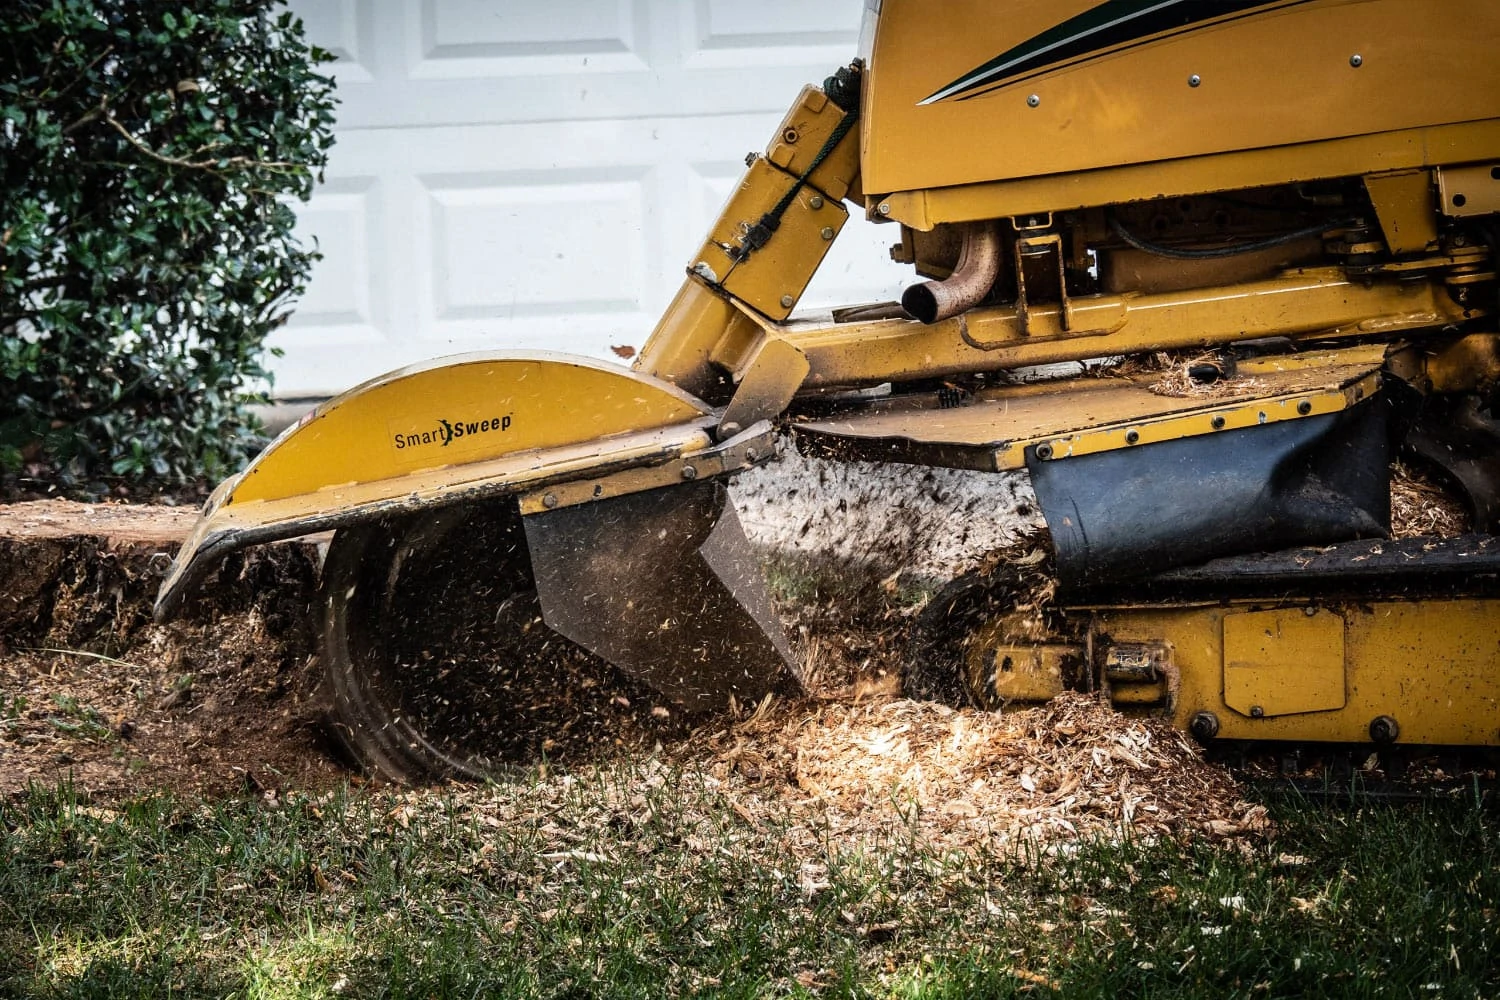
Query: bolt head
{"points": [[827, 233], [1218, 423], [1356, 60], [816, 201], [1194, 80], [1033, 100], [689, 473], [786, 301], [884, 208], [1256, 712], [1204, 726], [1384, 729], [549, 501]]}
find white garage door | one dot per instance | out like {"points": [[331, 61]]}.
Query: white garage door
{"points": [[524, 174]]}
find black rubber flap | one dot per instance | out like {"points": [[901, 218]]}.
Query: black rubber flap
{"points": [[1123, 514], [663, 585]]}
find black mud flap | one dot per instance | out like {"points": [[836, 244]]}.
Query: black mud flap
{"points": [[1124, 514], [663, 585]]}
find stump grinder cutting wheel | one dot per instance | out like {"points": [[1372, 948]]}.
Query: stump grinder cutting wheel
{"points": [[1301, 195]]}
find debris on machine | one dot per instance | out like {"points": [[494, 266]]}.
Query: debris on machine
{"points": [[1422, 506]]}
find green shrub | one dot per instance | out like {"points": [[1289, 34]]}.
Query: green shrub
{"points": [[148, 156]]}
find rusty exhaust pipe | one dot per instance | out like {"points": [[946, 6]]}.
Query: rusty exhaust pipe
{"points": [[971, 280]]}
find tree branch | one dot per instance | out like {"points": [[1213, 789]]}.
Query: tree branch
{"points": [[209, 165]]}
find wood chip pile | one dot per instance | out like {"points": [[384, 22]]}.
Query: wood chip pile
{"points": [[964, 778]]}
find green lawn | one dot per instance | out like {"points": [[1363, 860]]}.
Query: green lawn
{"points": [[636, 883]]}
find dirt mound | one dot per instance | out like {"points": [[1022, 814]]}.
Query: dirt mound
{"points": [[92, 691]]}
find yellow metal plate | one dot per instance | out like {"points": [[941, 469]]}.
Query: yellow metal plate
{"points": [[1283, 662], [1281, 77], [774, 277], [455, 429], [1432, 665], [458, 411], [1082, 416]]}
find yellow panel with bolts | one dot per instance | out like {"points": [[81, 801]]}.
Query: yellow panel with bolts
{"points": [[1432, 666], [1283, 662], [772, 278], [1066, 418], [1304, 301], [804, 130], [1184, 97]]}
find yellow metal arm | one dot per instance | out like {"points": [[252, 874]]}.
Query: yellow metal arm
{"points": [[769, 240]]}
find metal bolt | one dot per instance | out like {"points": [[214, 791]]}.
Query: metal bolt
{"points": [[751, 454], [750, 158], [1356, 60], [1194, 80], [816, 201], [1131, 437], [827, 232], [789, 136], [1044, 451], [689, 473], [1383, 729], [786, 301], [549, 501], [884, 208], [1204, 726], [1033, 100], [1256, 712], [729, 430], [1310, 611], [1218, 423], [1304, 407]]}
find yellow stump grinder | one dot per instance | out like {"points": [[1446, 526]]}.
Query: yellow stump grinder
{"points": [[1300, 197]]}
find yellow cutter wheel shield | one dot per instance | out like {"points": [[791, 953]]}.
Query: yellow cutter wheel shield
{"points": [[570, 440]]}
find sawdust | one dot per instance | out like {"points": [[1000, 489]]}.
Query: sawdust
{"points": [[1421, 506], [1180, 374], [960, 778]]}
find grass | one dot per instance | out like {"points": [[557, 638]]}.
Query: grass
{"points": [[640, 881]]}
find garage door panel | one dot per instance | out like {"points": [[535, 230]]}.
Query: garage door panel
{"points": [[346, 29], [339, 221], [480, 38], [516, 245], [730, 33]]}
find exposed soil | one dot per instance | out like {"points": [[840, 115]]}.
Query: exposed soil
{"points": [[91, 690]]}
